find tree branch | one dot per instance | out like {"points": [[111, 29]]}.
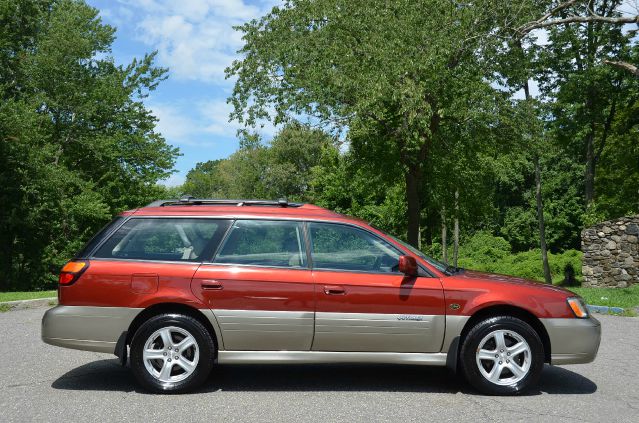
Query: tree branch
{"points": [[547, 19], [625, 66], [524, 29]]}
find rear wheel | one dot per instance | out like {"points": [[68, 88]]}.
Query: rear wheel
{"points": [[502, 356], [172, 353]]}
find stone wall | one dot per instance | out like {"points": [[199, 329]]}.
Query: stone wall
{"points": [[611, 253]]}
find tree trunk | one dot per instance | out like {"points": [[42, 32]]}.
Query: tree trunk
{"points": [[444, 240], [413, 181], [540, 206], [456, 230], [542, 225], [589, 176]]}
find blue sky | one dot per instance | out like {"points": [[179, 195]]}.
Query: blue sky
{"points": [[196, 41]]}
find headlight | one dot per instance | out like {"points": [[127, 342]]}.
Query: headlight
{"points": [[578, 307]]}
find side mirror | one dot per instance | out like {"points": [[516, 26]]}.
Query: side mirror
{"points": [[408, 265]]}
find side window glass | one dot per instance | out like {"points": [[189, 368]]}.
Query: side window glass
{"points": [[343, 247], [164, 239], [264, 243]]}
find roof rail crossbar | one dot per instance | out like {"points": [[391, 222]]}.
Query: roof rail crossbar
{"points": [[189, 200]]}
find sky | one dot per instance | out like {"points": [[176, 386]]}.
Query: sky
{"points": [[196, 42]]}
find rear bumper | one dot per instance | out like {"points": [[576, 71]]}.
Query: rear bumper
{"points": [[573, 341], [86, 328]]}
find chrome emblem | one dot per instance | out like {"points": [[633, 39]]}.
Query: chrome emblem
{"points": [[409, 317], [454, 306]]}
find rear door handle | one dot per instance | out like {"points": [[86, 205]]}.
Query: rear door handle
{"points": [[334, 290], [211, 285]]}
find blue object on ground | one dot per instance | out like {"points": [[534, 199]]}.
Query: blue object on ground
{"points": [[605, 309]]}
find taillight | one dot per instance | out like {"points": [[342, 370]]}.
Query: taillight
{"points": [[72, 271]]}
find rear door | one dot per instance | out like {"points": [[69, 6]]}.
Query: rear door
{"points": [[260, 288], [363, 302]]}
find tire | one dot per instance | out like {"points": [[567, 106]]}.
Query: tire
{"points": [[172, 353], [502, 356]]}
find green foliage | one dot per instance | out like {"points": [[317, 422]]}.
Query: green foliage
{"points": [[77, 144], [489, 253], [281, 169]]}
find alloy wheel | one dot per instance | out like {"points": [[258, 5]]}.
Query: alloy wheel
{"points": [[171, 354], [503, 357]]}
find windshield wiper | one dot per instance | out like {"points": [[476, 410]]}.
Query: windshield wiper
{"points": [[453, 270]]}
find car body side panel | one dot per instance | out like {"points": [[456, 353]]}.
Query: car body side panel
{"points": [[259, 308], [470, 292], [378, 312], [116, 283]]}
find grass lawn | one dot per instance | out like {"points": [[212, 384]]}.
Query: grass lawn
{"points": [[613, 297], [14, 296]]}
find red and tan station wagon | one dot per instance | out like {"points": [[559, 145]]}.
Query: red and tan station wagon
{"points": [[180, 285]]}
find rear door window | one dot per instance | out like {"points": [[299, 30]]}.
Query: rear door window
{"points": [[264, 243], [164, 239]]}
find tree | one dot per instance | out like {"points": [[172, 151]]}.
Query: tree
{"points": [[281, 168], [204, 180], [386, 70], [585, 92], [77, 144]]}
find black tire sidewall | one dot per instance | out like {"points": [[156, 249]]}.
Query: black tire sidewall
{"points": [[206, 348], [482, 329]]}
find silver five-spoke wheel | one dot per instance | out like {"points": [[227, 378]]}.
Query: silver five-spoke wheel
{"points": [[503, 357], [171, 354]]}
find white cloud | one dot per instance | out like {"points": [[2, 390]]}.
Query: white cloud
{"points": [[174, 180], [195, 39], [217, 113], [200, 124]]}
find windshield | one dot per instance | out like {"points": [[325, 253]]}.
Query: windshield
{"points": [[436, 264]]}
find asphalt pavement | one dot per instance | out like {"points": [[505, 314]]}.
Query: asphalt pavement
{"points": [[39, 382]]}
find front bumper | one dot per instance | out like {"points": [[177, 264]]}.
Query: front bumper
{"points": [[573, 341], [86, 328]]}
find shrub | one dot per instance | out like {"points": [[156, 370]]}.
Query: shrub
{"points": [[488, 253]]}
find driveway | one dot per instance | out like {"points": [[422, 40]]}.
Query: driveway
{"points": [[44, 383]]}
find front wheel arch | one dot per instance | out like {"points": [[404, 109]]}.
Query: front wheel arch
{"points": [[509, 310]]}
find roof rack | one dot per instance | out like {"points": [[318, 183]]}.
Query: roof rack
{"points": [[188, 200]]}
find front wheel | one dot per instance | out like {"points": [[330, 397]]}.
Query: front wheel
{"points": [[502, 356], [171, 353]]}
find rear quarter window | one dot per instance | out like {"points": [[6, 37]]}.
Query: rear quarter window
{"points": [[164, 239], [97, 238]]}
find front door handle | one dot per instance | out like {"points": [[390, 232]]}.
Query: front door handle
{"points": [[211, 285], [334, 290]]}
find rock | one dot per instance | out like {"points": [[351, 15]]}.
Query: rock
{"points": [[611, 253], [632, 229]]}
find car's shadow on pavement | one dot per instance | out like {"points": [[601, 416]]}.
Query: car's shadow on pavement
{"points": [[108, 375]]}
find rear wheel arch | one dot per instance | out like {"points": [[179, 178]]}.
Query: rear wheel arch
{"points": [[514, 311], [171, 308]]}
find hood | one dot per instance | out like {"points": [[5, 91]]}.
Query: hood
{"points": [[493, 277]]}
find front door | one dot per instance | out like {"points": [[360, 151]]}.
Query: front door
{"points": [[260, 288], [363, 302]]}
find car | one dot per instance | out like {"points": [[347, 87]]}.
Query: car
{"points": [[180, 285]]}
